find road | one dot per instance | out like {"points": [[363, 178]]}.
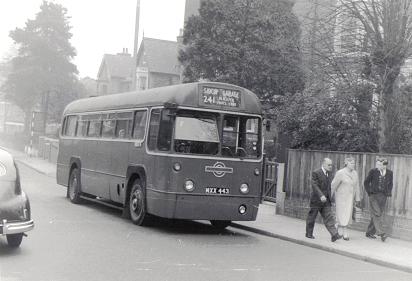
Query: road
{"points": [[93, 242]]}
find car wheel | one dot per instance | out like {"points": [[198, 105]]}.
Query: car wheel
{"points": [[137, 204], [14, 240], [73, 191], [220, 224]]}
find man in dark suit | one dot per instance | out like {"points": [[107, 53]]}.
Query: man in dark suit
{"points": [[378, 184], [320, 201]]}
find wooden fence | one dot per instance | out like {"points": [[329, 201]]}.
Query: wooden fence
{"points": [[399, 207]]}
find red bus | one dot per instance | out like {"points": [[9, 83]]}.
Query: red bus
{"points": [[189, 151]]}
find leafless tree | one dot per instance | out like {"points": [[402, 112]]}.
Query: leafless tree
{"points": [[362, 42]]}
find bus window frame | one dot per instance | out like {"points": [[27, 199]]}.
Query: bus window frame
{"points": [[102, 113], [132, 113], [146, 128], [149, 119], [171, 153], [108, 115], [64, 127], [90, 118], [207, 114], [81, 118]]}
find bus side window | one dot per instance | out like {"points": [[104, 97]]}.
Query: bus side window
{"points": [[164, 140], [94, 126], [153, 129], [139, 125], [109, 123], [82, 125], [124, 125], [70, 126]]}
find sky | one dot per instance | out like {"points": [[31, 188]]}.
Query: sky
{"points": [[98, 26]]}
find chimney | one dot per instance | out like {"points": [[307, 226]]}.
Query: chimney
{"points": [[125, 52]]}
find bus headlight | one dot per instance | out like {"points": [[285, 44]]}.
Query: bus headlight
{"points": [[189, 185], [244, 188], [242, 209], [257, 172], [177, 166]]}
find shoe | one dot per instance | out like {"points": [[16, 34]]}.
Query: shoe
{"points": [[336, 237], [346, 238], [310, 236], [371, 236], [383, 237]]}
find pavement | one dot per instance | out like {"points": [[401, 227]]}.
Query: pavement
{"points": [[393, 253]]}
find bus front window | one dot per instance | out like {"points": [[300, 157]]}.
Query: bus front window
{"points": [[241, 137], [196, 135]]}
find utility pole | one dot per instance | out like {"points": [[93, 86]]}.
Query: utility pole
{"points": [[136, 44]]}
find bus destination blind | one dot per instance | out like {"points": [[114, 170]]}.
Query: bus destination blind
{"points": [[220, 97]]}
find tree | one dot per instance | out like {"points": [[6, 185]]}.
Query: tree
{"points": [[42, 70], [317, 120], [387, 26], [250, 43], [356, 51]]}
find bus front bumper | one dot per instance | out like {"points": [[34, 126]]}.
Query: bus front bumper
{"points": [[202, 207], [15, 227]]}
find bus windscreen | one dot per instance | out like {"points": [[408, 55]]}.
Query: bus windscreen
{"points": [[196, 135]]}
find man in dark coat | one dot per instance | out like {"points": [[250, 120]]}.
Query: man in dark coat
{"points": [[320, 201], [378, 184]]}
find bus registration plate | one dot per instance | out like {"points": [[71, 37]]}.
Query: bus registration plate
{"points": [[217, 190]]}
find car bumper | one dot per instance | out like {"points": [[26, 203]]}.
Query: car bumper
{"points": [[15, 227]]}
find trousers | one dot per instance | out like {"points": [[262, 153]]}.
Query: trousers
{"points": [[328, 219], [377, 203]]}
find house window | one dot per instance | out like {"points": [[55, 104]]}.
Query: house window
{"points": [[142, 83], [104, 89]]}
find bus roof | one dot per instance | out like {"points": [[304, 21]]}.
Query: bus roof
{"points": [[181, 95]]}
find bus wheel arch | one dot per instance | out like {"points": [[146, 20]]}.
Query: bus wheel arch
{"points": [[74, 182]]}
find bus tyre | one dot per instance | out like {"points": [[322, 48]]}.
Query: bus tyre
{"points": [[220, 224], [137, 204], [14, 240], [73, 191]]}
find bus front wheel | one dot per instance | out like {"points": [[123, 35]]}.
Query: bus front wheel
{"points": [[220, 224], [137, 204], [73, 191]]}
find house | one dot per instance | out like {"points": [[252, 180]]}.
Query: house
{"points": [[90, 87], [157, 64], [116, 73]]}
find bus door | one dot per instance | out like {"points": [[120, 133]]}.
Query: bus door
{"points": [[85, 145], [120, 154], [102, 156]]}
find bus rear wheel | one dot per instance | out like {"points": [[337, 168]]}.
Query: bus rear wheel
{"points": [[73, 191], [220, 224], [137, 204]]}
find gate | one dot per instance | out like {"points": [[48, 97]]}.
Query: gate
{"points": [[269, 182]]}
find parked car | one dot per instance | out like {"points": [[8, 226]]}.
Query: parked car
{"points": [[15, 215]]}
